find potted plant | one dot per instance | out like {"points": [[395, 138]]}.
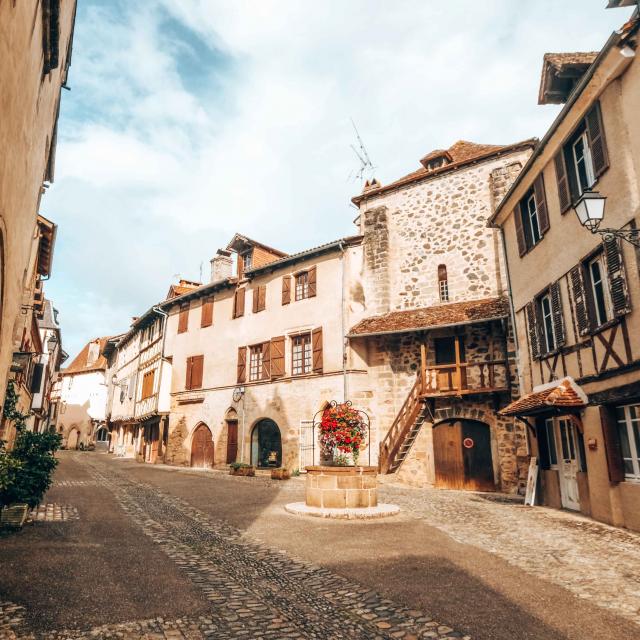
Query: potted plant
{"points": [[280, 474], [342, 434], [242, 469]]}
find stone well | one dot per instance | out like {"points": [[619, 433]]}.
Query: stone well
{"points": [[341, 487], [342, 492]]}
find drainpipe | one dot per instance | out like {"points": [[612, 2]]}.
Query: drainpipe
{"points": [[345, 386], [165, 317]]}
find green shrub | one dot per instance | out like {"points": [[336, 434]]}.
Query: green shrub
{"points": [[239, 465]]}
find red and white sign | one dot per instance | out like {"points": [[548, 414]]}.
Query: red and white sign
{"points": [[468, 443]]}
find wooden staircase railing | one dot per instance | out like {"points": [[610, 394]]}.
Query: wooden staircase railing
{"points": [[401, 426]]}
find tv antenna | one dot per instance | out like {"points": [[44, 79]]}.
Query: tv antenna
{"points": [[366, 166]]}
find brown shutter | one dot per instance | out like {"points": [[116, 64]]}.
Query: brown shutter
{"points": [[187, 382], [277, 357], [312, 282], [564, 195], [579, 300], [196, 372], [206, 319], [556, 312], [613, 450], [597, 141], [286, 289], [541, 204], [522, 242], [238, 305], [532, 325], [316, 346], [615, 271], [255, 299], [183, 319], [262, 297], [266, 363], [242, 364]]}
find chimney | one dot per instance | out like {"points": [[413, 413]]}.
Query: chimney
{"points": [[221, 265]]}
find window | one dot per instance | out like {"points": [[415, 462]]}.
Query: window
{"points": [[247, 260], [183, 318], [260, 298], [301, 354], [238, 303], [548, 334], [195, 367], [599, 290], [582, 165], [147, 384], [302, 285], [443, 283], [550, 441], [531, 217], [206, 317], [628, 419], [255, 362]]}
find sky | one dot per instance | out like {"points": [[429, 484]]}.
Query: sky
{"points": [[191, 120]]}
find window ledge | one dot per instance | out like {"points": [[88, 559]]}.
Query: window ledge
{"points": [[603, 327]]}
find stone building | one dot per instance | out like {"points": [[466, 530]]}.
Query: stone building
{"points": [[35, 54], [82, 398], [436, 336], [578, 318], [257, 353]]}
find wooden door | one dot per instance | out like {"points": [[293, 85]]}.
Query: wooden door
{"points": [[155, 441], [232, 441], [476, 455], [72, 440], [202, 448], [447, 454], [569, 464]]}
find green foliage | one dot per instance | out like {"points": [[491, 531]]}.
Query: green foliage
{"points": [[26, 470], [239, 465]]}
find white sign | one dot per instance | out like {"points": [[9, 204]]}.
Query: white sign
{"points": [[532, 481]]}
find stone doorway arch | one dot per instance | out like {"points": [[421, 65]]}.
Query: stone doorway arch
{"points": [[462, 455], [266, 444], [202, 450], [73, 438]]}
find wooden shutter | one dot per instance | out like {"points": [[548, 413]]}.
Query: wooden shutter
{"points": [[286, 289], [197, 366], [242, 365], [36, 377], [183, 320], [617, 280], [238, 303], [532, 325], [541, 204], [597, 141], [522, 242], [262, 297], [277, 357], [187, 382], [316, 346], [255, 299], [556, 313], [266, 363], [312, 282], [207, 313], [579, 300], [564, 195], [613, 450]]}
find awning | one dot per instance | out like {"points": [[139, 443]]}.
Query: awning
{"points": [[560, 394]]}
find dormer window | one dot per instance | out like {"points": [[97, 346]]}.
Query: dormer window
{"points": [[247, 260], [436, 163], [436, 160]]}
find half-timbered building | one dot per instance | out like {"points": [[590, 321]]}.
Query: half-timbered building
{"points": [[576, 296]]}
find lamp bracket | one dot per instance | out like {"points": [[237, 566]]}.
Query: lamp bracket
{"points": [[632, 236]]}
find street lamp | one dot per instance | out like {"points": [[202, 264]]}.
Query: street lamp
{"points": [[590, 211]]}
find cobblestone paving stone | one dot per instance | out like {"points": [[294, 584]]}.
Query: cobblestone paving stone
{"points": [[594, 561], [74, 483], [255, 592], [52, 512]]}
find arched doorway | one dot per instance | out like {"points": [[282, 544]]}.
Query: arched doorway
{"points": [[202, 447], [266, 444], [72, 439], [462, 455], [102, 439], [231, 420]]}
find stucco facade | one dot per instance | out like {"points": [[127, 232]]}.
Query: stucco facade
{"points": [[595, 333]]}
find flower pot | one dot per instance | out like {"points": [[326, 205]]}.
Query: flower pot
{"points": [[247, 472], [280, 474], [14, 515]]}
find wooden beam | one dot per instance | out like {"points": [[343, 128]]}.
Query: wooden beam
{"points": [[423, 365]]}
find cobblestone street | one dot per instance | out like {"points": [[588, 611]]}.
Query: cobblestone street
{"points": [[169, 553]]}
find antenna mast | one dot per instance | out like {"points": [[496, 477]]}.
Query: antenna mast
{"points": [[366, 166]]}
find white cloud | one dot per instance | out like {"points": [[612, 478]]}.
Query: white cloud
{"points": [[165, 151]]}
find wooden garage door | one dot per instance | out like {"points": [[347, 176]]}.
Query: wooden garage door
{"points": [[462, 456], [202, 447]]}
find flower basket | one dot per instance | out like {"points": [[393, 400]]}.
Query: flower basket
{"points": [[280, 474], [343, 433], [14, 515], [241, 469]]}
